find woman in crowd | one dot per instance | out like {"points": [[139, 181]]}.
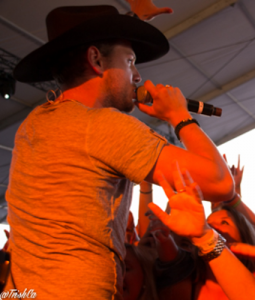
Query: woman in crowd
{"points": [[226, 277], [235, 228]]}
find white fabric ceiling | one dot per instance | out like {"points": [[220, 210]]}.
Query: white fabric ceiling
{"points": [[211, 59]]}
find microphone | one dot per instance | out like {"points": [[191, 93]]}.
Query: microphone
{"points": [[198, 107]]}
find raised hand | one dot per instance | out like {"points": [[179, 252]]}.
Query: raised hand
{"points": [[146, 10], [237, 173], [187, 217]]}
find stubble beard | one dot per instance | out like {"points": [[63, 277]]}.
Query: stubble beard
{"points": [[118, 98], [119, 103]]}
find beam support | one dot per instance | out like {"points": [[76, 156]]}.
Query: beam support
{"points": [[2, 147], [235, 134], [197, 18], [227, 87], [22, 31]]}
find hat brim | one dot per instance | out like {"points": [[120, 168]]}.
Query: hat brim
{"points": [[147, 42]]}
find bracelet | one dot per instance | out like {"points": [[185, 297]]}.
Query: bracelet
{"points": [[182, 124], [228, 201], [237, 203], [234, 202], [146, 192], [220, 246]]}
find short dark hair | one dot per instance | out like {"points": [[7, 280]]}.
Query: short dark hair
{"points": [[68, 69]]}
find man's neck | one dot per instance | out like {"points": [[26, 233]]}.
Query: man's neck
{"points": [[88, 93]]}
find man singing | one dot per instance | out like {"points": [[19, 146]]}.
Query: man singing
{"points": [[75, 158]]}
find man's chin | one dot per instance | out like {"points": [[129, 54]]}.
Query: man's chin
{"points": [[129, 109]]}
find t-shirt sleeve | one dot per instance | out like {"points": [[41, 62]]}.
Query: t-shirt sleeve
{"points": [[121, 144]]}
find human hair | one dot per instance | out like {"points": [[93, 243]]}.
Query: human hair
{"points": [[69, 67], [146, 257], [246, 231]]}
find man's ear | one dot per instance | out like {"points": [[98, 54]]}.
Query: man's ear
{"points": [[94, 58]]}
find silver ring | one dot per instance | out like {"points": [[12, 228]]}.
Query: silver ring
{"points": [[167, 85], [182, 191]]}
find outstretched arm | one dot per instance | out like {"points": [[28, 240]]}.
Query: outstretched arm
{"points": [[144, 199], [236, 202], [187, 218], [200, 157], [237, 174]]}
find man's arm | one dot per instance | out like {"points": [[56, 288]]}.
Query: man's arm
{"points": [[200, 157]]}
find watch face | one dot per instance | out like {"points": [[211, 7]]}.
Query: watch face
{"points": [[217, 250]]}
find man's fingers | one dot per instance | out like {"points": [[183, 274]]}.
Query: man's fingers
{"points": [[149, 85], [144, 108], [151, 88]]}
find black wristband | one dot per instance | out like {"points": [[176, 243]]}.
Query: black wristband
{"points": [[182, 124]]}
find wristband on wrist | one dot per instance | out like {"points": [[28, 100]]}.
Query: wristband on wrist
{"points": [[207, 243], [182, 124], [146, 192], [237, 203], [232, 199]]}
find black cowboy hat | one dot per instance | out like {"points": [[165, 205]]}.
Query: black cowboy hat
{"points": [[73, 26]]}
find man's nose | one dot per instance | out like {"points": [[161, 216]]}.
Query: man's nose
{"points": [[136, 76]]}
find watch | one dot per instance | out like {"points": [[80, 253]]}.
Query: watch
{"points": [[217, 250]]}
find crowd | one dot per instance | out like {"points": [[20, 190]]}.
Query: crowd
{"points": [[179, 269], [164, 252], [77, 156]]}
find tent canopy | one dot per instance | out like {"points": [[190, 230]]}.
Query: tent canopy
{"points": [[211, 60]]}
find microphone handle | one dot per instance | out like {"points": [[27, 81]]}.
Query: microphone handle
{"points": [[199, 107]]}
